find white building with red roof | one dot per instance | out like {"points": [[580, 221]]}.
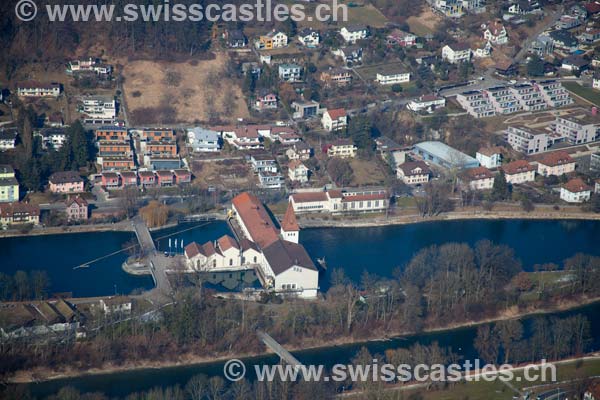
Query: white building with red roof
{"points": [[290, 230], [335, 120], [575, 191], [495, 33], [351, 201]]}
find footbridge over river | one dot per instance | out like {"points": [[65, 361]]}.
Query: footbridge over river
{"points": [[278, 349], [157, 262]]}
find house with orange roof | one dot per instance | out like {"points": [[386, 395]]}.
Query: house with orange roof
{"points": [[556, 163], [479, 178], [335, 120], [575, 191], [519, 171], [77, 209]]}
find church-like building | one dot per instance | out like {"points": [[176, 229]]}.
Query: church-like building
{"points": [[280, 261]]}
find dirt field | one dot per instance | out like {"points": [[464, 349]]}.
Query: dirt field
{"points": [[229, 174], [425, 23], [162, 92], [366, 173]]}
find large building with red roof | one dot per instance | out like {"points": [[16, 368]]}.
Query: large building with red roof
{"points": [[340, 201], [280, 262]]}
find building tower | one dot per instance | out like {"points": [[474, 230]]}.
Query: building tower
{"points": [[290, 230]]}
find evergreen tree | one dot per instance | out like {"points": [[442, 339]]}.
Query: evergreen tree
{"points": [[535, 66], [500, 190]]}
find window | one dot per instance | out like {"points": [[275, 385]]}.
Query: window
{"points": [[230, 262], [255, 259], [214, 263]]}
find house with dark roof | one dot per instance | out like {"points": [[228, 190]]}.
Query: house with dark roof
{"points": [[66, 182]]}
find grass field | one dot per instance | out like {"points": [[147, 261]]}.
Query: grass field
{"points": [[191, 91], [366, 173], [586, 93], [369, 73], [358, 13]]}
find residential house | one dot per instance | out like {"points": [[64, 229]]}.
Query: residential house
{"points": [[479, 178], [9, 187], [309, 38], [305, 109], [203, 140], [111, 180], [490, 157], [392, 78], [575, 191], [354, 33], [38, 89], [336, 77], [77, 209], [272, 40], [242, 138], [116, 305], [518, 172], [543, 45], [567, 22], [8, 138], [128, 178], [413, 172], [564, 40], [299, 151], [266, 101], [482, 49], [495, 33], [89, 65], [147, 179], [263, 161], [235, 38], [590, 36], [290, 72], [55, 120], [53, 138], [556, 163], [182, 176], [341, 148], [335, 120], [456, 53], [297, 171], [164, 178], [66, 182], [575, 64], [400, 38], [350, 55], [19, 213]]}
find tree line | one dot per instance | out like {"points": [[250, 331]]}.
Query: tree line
{"points": [[24, 286]]}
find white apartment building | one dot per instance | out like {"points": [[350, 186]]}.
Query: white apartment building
{"points": [[392, 78], [479, 178], [456, 53], [503, 100], [476, 103], [554, 93], [527, 140], [426, 103], [98, 111], [529, 97], [38, 89], [578, 130], [342, 148], [290, 72]]}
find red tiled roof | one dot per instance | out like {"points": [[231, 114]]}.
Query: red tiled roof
{"points": [[294, 164], [192, 250], [337, 113], [309, 197], [78, 200], [478, 173], [256, 219], [289, 222], [517, 167], [7, 210], [227, 242], [592, 8], [556, 158], [576, 186]]}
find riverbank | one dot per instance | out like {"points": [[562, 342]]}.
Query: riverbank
{"points": [[407, 219], [46, 374], [122, 226]]}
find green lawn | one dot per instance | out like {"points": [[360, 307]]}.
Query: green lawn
{"points": [[586, 93]]}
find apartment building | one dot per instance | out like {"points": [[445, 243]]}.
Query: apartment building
{"points": [[342, 148], [518, 172], [527, 140], [456, 53], [479, 178], [554, 93], [38, 89], [503, 100], [476, 103], [98, 111], [413, 172], [392, 78], [529, 97], [578, 130], [556, 163]]}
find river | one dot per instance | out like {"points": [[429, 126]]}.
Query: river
{"points": [[378, 250]]}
